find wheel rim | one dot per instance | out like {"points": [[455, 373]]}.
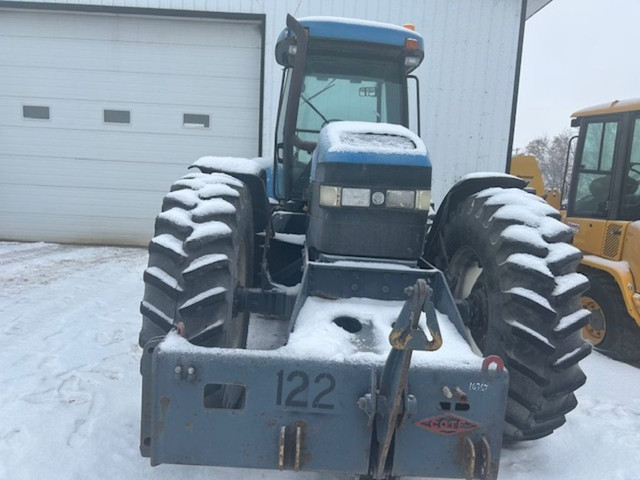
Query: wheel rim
{"points": [[469, 287], [595, 331]]}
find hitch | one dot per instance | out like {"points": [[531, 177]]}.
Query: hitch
{"points": [[406, 334], [390, 404]]}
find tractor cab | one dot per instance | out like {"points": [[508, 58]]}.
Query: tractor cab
{"points": [[346, 163], [336, 69]]}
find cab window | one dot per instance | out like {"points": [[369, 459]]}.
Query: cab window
{"points": [[595, 170], [630, 203], [346, 88]]}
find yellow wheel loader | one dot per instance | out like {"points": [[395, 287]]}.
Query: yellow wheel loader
{"points": [[603, 209]]}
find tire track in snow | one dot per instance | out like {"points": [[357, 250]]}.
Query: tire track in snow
{"points": [[69, 321]]}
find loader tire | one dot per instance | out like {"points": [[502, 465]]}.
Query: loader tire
{"points": [[507, 259], [201, 251], [611, 330]]}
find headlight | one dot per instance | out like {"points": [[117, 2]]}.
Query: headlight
{"points": [[329, 196], [423, 199], [356, 197], [401, 198], [411, 61]]}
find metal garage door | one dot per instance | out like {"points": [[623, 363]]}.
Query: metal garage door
{"points": [[99, 113]]}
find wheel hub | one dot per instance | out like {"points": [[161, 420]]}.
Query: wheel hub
{"points": [[596, 329], [478, 313], [470, 291]]}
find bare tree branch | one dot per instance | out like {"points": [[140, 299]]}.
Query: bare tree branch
{"points": [[552, 154]]}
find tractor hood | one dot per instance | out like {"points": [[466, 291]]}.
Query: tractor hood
{"points": [[369, 143], [370, 191]]}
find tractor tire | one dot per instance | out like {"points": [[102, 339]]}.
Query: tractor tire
{"points": [[611, 330], [201, 251], [507, 261]]}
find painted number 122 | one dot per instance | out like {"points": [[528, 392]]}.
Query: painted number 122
{"points": [[295, 389]]}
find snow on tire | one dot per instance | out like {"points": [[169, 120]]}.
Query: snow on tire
{"points": [[202, 249], [506, 254]]}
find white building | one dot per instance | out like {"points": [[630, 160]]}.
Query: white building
{"points": [[104, 103]]}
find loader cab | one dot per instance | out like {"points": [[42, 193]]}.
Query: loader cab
{"points": [[605, 187], [336, 70], [606, 180]]}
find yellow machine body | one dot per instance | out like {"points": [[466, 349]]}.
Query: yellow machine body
{"points": [[526, 167], [614, 248]]}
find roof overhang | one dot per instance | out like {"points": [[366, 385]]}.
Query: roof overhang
{"points": [[534, 6]]}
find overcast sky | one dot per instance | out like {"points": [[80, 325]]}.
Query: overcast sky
{"points": [[577, 53]]}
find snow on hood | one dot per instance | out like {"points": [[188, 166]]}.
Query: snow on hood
{"points": [[382, 138]]}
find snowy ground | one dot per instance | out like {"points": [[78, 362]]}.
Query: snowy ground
{"points": [[70, 387]]}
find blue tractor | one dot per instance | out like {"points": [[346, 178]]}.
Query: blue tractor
{"points": [[413, 345]]}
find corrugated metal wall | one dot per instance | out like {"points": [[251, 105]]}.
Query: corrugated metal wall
{"points": [[467, 79]]}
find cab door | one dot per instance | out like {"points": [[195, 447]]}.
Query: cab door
{"points": [[591, 197]]}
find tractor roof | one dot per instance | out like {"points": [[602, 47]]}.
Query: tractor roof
{"points": [[337, 28], [617, 106]]}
